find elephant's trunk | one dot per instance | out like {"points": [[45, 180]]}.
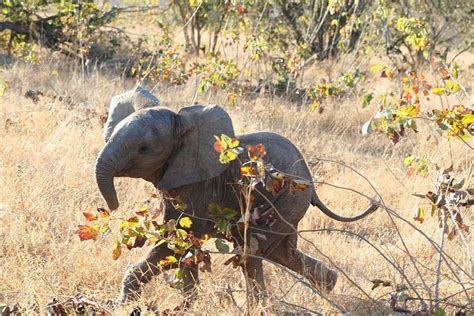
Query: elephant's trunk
{"points": [[104, 174]]}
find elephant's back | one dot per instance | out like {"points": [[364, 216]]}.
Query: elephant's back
{"points": [[281, 152]]}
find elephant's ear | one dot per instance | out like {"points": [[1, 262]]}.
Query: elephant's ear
{"points": [[124, 104], [196, 160]]}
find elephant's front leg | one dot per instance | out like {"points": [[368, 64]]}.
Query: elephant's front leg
{"points": [[190, 278], [142, 272], [253, 271]]}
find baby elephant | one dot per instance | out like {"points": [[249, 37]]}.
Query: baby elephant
{"points": [[124, 104], [174, 151]]}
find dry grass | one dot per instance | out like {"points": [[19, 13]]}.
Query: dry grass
{"points": [[47, 156]]}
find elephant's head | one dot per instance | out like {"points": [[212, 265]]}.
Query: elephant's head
{"points": [[166, 148], [124, 104]]}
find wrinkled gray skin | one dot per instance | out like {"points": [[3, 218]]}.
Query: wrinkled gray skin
{"points": [[124, 104], [174, 151]]}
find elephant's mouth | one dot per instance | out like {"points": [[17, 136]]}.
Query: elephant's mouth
{"points": [[145, 174], [156, 176]]}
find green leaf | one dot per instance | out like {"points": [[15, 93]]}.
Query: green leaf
{"points": [[377, 68], [440, 312], [185, 222], [366, 99], [455, 71], [222, 246], [105, 229]]}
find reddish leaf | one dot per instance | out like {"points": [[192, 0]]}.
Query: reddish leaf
{"points": [[89, 216], [87, 232], [218, 146], [448, 170], [298, 185], [143, 212], [274, 185], [188, 261], [256, 152], [133, 219], [139, 242], [444, 72], [452, 234]]}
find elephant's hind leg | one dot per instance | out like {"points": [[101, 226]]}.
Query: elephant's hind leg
{"points": [[316, 271], [142, 272]]}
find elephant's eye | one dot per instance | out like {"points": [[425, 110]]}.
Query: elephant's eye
{"points": [[143, 149]]}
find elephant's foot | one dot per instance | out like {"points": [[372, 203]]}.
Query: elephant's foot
{"points": [[319, 273], [142, 272], [137, 275]]}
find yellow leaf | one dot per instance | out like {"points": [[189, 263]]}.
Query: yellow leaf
{"points": [[231, 155], [152, 240], [438, 91], [420, 215], [247, 171], [185, 222], [408, 111], [234, 143], [168, 261], [229, 142], [467, 119]]}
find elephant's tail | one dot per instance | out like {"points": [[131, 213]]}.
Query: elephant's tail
{"points": [[315, 201]]}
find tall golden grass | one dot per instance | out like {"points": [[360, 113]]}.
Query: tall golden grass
{"points": [[47, 155]]}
